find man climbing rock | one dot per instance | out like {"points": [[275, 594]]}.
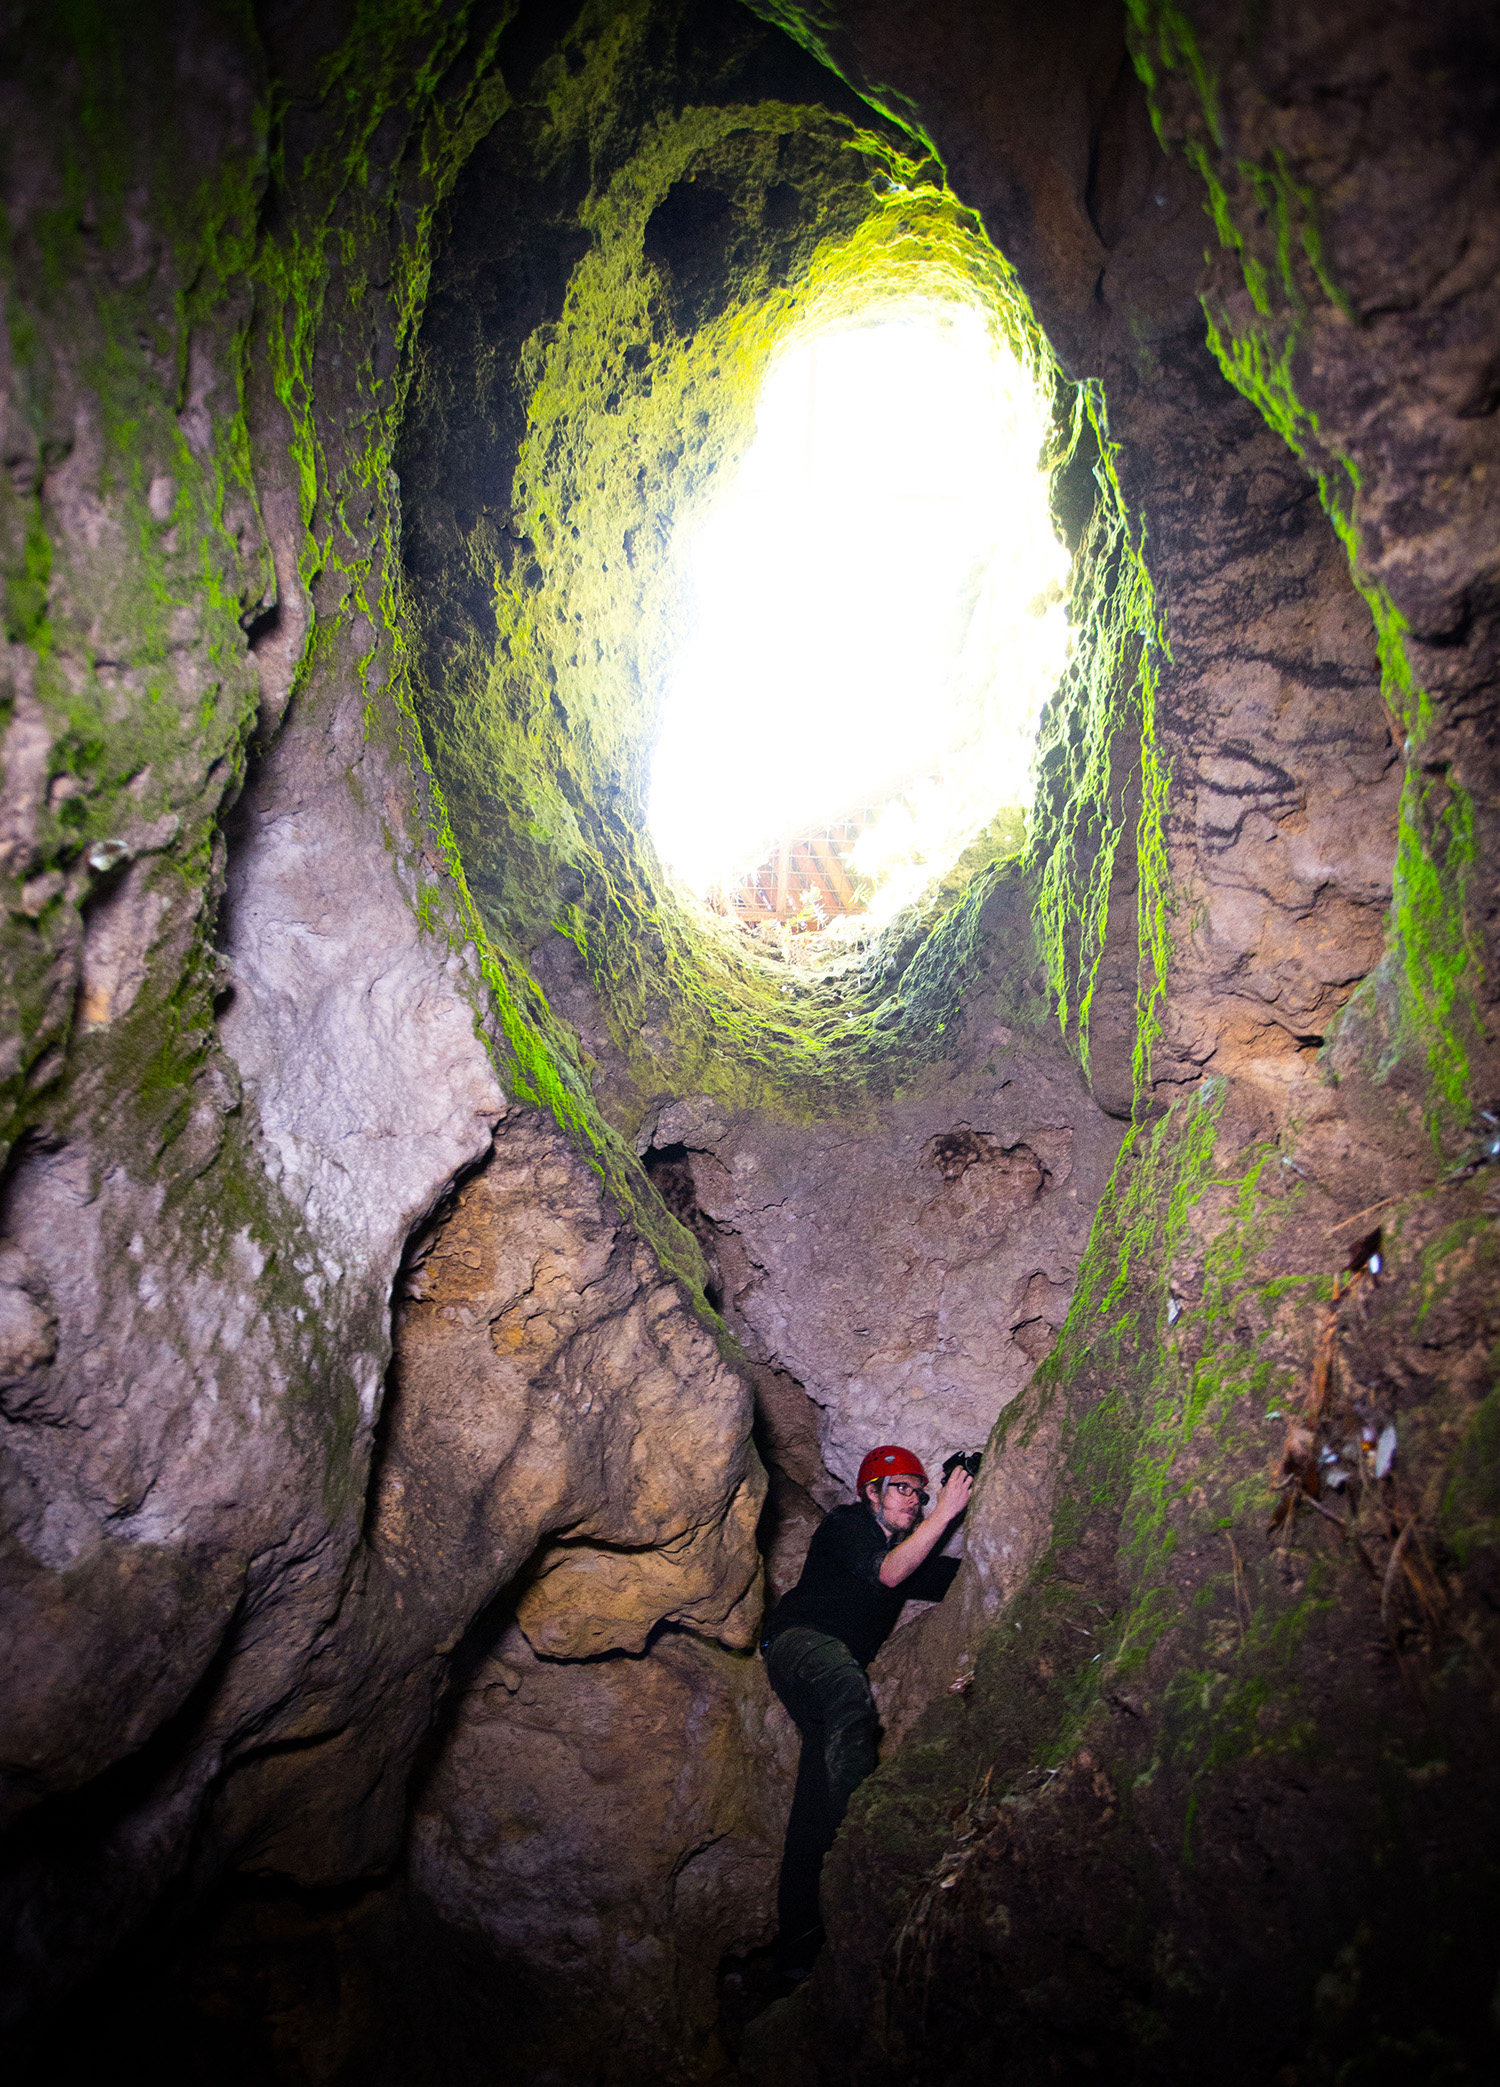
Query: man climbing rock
{"points": [[865, 1562]]}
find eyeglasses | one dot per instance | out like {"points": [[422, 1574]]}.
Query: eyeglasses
{"points": [[900, 1485]]}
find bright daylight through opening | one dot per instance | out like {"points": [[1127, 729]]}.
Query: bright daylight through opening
{"points": [[875, 619]]}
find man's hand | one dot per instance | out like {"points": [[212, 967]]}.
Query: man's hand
{"points": [[902, 1560], [954, 1496]]}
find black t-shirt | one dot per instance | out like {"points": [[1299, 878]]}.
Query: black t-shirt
{"points": [[840, 1589]]}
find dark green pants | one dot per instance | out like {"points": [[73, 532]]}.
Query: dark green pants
{"points": [[827, 1692]]}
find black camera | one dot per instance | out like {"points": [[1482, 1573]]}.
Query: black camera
{"points": [[970, 1459]]}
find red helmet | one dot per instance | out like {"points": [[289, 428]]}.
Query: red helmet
{"points": [[889, 1461]]}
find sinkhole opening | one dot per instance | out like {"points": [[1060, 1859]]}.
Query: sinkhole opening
{"points": [[874, 615]]}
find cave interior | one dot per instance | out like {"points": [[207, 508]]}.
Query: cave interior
{"points": [[447, 1270]]}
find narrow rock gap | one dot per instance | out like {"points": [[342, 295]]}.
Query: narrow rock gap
{"points": [[407, 1285], [669, 1169]]}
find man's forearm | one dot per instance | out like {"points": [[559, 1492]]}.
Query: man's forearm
{"points": [[902, 1560]]}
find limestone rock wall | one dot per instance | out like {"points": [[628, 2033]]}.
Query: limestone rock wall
{"points": [[198, 1309], [384, 1527], [1104, 1833], [560, 1530], [612, 1833], [541, 1350], [909, 1272], [251, 1053]]}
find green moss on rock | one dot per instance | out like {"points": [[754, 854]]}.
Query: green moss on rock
{"points": [[1423, 1007]]}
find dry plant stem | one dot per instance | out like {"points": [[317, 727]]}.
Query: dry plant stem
{"points": [[1468, 1630], [917, 1926], [1241, 1602], [1299, 1450], [1426, 1585], [1327, 1512], [1390, 1575], [1369, 1211]]}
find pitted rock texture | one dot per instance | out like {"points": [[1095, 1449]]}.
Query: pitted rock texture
{"points": [[1282, 825], [560, 1433], [561, 1545], [908, 1270], [1382, 325], [549, 1382]]}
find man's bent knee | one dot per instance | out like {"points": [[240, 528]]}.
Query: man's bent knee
{"points": [[848, 1699], [812, 1664]]}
